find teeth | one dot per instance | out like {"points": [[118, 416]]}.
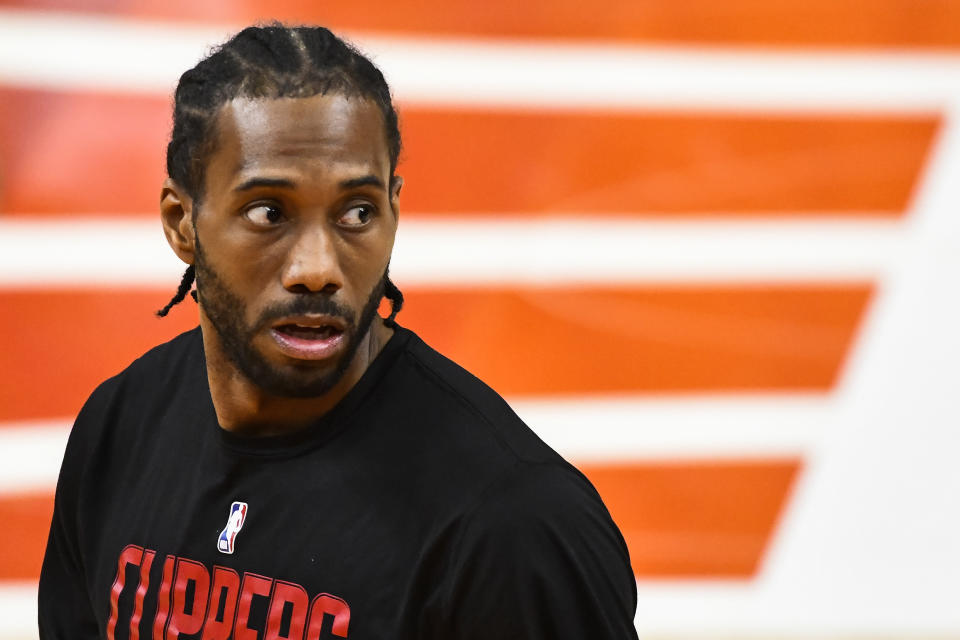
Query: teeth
{"points": [[312, 332]]}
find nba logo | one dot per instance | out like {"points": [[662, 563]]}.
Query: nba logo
{"points": [[238, 513]]}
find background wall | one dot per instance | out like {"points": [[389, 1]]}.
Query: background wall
{"points": [[709, 250]]}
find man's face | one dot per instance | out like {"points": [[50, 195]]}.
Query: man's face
{"points": [[293, 237]]}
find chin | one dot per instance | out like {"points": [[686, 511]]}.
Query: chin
{"points": [[297, 383], [291, 378]]}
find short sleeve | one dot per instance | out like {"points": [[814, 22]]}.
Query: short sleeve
{"points": [[539, 557]]}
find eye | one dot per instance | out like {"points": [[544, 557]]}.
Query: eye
{"points": [[357, 216], [263, 215]]}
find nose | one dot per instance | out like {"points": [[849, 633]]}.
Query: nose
{"points": [[313, 263]]}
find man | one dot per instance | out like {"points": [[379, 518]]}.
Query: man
{"points": [[298, 467]]}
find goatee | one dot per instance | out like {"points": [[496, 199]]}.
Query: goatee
{"points": [[227, 312]]}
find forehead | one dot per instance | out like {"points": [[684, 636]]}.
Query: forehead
{"points": [[301, 135]]}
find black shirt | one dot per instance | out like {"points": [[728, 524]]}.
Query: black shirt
{"points": [[421, 506]]}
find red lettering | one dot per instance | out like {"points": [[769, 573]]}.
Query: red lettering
{"points": [[223, 578], [252, 585], [186, 585], [130, 554], [163, 599], [141, 593], [284, 592], [181, 621], [339, 609]]}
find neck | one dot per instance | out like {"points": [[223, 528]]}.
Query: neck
{"points": [[243, 407]]}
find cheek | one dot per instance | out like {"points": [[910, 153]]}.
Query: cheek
{"points": [[243, 278], [364, 267], [252, 263]]}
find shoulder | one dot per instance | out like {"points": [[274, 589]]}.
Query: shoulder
{"points": [[538, 556], [449, 394], [116, 416], [537, 500], [164, 364], [165, 361], [143, 383]]}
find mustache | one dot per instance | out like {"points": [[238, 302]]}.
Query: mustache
{"points": [[316, 303]]}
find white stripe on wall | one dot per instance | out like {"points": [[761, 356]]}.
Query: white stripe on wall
{"points": [[73, 51], [30, 454], [683, 427], [18, 610], [583, 429], [595, 250]]}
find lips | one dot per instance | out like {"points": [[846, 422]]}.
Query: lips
{"points": [[309, 337]]}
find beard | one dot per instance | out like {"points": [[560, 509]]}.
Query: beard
{"points": [[227, 313]]}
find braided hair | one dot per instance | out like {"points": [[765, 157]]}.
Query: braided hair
{"points": [[274, 61]]}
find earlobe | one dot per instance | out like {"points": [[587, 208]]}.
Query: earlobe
{"points": [[176, 214]]}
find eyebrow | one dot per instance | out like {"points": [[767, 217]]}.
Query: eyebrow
{"points": [[254, 183], [369, 180]]}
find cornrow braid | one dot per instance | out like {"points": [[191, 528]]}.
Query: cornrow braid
{"points": [[272, 61], [393, 294], [185, 285]]}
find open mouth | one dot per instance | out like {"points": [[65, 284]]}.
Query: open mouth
{"points": [[315, 339], [308, 333]]}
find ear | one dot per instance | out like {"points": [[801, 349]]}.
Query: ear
{"points": [[176, 214], [396, 184]]}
